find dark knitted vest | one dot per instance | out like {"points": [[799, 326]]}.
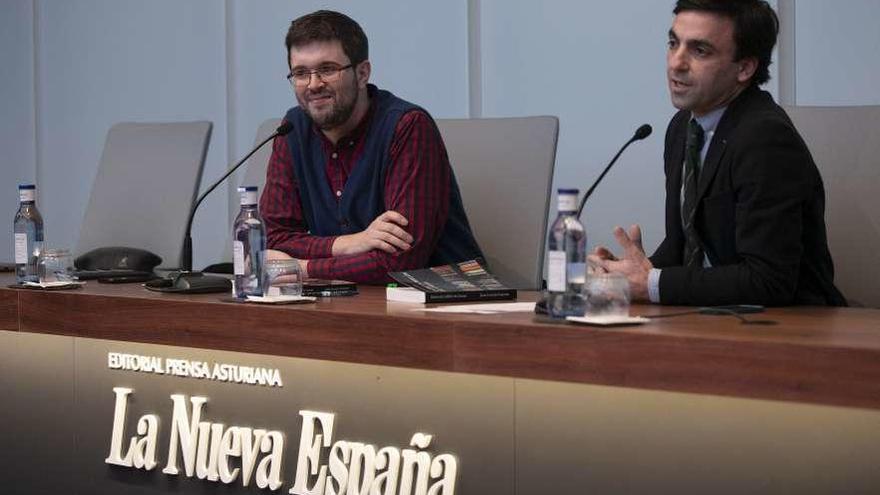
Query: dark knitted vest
{"points": [[363, 196]]}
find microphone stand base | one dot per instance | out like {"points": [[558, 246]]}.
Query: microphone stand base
{"points": [[184, 282]]}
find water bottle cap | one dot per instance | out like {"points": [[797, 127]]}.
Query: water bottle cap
{"points": [[567, 200], [27, 193], [562, 190], [248, 195]]}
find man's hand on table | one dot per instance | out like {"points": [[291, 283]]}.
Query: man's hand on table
{"points": [[385, 233]]}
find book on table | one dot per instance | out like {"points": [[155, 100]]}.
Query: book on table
{"points": [[456, 282], [328, 288]]}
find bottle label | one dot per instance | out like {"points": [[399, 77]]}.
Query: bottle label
{"points": [[21, 250], [26, 195], [556, 271], [567, 202], [238, 257], [577, 273]]}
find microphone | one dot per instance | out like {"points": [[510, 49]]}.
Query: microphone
{"points": [[186, 262], [186, 280], [641, 133]]}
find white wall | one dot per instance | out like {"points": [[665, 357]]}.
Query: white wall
{"points": [[837, 49], [599, 66], [17, 134]]}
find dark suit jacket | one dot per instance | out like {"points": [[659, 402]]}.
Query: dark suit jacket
{"points": [[760, 214]]}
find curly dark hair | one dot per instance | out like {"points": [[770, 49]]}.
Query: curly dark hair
{"points": [[326, 25]]}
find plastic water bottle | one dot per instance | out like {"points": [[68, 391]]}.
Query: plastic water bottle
{"points": [[28, 232], [566, 259], [248, 246]]}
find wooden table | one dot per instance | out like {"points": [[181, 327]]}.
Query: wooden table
{"points": [[686, 404], [812, 354]]}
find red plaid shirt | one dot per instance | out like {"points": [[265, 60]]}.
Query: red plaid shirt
{"points": [[417, 186]]}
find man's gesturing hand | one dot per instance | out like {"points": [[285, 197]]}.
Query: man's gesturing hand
{"points": [[634, 264], [385, 234]]}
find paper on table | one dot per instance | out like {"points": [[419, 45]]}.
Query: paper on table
{"points": [[54, 285], [484, 308], [608, 320]]}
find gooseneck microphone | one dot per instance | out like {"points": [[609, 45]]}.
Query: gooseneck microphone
{"points": [[186, 262], [186, 280], [641, 133]]}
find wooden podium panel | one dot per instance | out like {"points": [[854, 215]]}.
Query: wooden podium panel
{"points": [[689, 404], [8, 309]]}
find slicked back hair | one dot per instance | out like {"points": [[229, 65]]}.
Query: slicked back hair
{"points": [[755, 27]]}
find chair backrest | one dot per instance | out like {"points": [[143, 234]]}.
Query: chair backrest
{"points": [[253, 172], [504, 169], [147, 180], [845, 143]]}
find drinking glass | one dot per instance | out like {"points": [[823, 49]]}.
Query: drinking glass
{"points": [[54, 266], [607, 294], [282, 278]]}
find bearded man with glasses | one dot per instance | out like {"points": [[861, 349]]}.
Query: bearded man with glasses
{"points": [[362, 185]]}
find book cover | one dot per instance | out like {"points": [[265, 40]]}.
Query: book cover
{"points": [[464, 281], [328, 288]]}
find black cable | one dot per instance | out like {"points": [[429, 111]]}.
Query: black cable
{"points": [[735, 311]]}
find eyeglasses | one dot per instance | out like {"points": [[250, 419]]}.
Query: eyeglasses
{"points": [[326, 73]]}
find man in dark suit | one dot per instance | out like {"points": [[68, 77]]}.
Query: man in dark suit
{"points": [[744, 201]]}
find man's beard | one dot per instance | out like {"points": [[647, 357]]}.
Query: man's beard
{"points": [[339, 112]]}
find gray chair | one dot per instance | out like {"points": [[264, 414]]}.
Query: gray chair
{"points": [[504, 169], [147, 180], [252, 173], [845, 143]]}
